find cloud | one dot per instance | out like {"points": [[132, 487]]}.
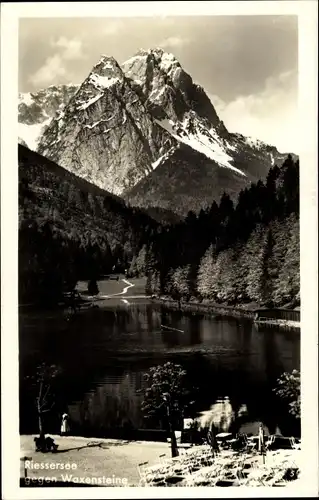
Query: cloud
{"points": [[56, 65], [270, 115], [112, 28], [72, 48], [173, 41], [52, 68]]}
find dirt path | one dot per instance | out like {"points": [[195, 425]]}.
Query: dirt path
{"points": [[123, 292]]}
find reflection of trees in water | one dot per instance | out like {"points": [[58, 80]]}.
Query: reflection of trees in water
{"points": [[150, 319], [111, 406], [194, 330], [240, 363], [277, 350], [185, 328], [224, 417], [140, 321], [229, 390]]}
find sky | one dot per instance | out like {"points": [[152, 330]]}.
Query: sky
{"points": [[248, 65]]}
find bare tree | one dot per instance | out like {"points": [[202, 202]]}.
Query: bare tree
{"points": [[43, 381]]}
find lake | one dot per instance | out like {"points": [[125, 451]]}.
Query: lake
{"points": [[103, 354]]}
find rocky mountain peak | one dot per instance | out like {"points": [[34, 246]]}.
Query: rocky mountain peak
{"points": [[108, 67], [105, 133], [104, 75], [146, 64], [168, 90], [146, 131]]}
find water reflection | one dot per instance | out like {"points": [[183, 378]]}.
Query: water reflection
{"points": [[104, 354], [113, 404], [220, 416]]}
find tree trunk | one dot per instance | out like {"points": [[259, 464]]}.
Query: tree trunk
{"points": [[174, 449], [39, 399], [41, 429]]}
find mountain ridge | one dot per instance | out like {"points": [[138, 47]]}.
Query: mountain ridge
{"points": [[129, 126], [36, 109]]}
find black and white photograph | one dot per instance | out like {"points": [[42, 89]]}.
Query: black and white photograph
{"points": [[160, 305]]}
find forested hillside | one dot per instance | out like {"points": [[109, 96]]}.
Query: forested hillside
{"points": [[248, 252], [230, 253], [70, 229]]}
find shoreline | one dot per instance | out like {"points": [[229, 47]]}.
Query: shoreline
{"points": [[123, 298], [224, 311], [210, 308]]}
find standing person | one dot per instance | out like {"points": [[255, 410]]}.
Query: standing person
{"points": [[65, 426], [212, 441], [261, 441]]}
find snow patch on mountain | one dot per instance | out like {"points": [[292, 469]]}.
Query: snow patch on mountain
{"points": [[93, 124], [32, 133], [89, 102], [206, 141], [133, 59], [26, 98], [231, 147], [36, 109], [167, 61], [254, 142], [22, 142], [163, 158], [102, 82], [105, 75], [104, 120], [157, 93], [108, 65]]}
